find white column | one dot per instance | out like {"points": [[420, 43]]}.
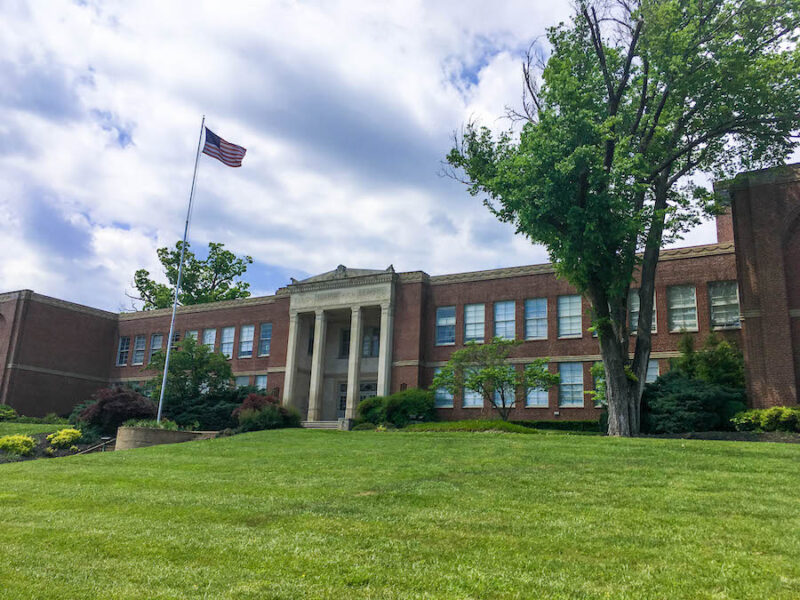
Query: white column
{"points": [[317, 367], [354, 363], [385, 350], [291, 361]]}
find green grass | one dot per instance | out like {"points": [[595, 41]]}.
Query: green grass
{"points": [[473, 425], [315, 514], [7, 428]]}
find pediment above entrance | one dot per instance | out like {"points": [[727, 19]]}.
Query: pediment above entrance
{"points": [[343, 287]]}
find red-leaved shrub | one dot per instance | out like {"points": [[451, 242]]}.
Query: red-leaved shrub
{"points": [[113, 406], [255, 403]]}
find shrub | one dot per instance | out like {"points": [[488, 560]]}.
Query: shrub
{"points": [[270, 416], [777, 418], [364, 427], [255, 403], [152, 423], [113, 406], [398, 409], [19, 445], [7, 413], [210, 411], [372, 410], [64, 438], [676, 403], [718, 362]]}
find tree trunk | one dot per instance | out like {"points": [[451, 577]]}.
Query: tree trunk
{"points": [[622, 392]]}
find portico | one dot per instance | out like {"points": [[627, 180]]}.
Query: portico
{"points": [[339, 349]]}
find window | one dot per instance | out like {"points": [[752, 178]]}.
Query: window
{"points": [[723, 296], [176, 337], [474, 320], [242, 381], [210, 338], [370, 343], [570, 391], [442, 397], [226, 342], [445, 325], [569, 316], [246, 341], [138, 350], [633, 311], [652, 371], [122, 351], [261, 382], [536, 397], [192, 333], [155, 344], [681, 308], [472, 399], [344, 343], [536, 319], [504, 324], [264, 339]]}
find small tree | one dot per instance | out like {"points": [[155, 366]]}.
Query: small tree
{"points": [[484, 368], [194, 371], [209, 280]]}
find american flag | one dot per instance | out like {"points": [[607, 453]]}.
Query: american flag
{"points": [[223, 151]]}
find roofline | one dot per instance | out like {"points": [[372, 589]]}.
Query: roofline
{"points": [[769, 176]]}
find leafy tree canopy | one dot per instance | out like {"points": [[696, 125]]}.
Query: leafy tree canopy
{"points": [[206, 280], [194, 371], [484, 368], [634, 98]]}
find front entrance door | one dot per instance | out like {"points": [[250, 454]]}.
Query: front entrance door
{"points": [[367, 389]]}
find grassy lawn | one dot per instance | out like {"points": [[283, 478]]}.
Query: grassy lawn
{"points": [[316, 514], [7, 428]]}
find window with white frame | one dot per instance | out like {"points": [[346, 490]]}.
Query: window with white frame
{"points": [[264, 339], [122, 351], [210, 338], [474, 322], [242, 380], [445, 325], [682, 308], [652, 371], [226, 341], [156, 341], [246, 334], [633, 311], [370, 342], [504, 322], [569, 316], [192, 333], [472, 399], [537, 397], [570, 390], [261, 382], [536, 319], [139, 343], [723, 297], [442, 397]]}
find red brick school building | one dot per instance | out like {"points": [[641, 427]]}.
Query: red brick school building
{"points": [[323, 343]]}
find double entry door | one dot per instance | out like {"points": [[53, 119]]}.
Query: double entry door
{"points": [[366, 389]]}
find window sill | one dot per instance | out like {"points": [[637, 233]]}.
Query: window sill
{"points": [[537, 339], [263, 355], [450, 406], [472, 406], [727, 328], [684, 330], [447, 344], [570, 337], [137, 364], [571, 406]]}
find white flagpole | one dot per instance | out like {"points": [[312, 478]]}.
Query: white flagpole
{"points": [[180, 274]]}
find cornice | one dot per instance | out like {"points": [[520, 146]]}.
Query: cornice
{"points": [[198, 308], [770, 176], [332, 284]]}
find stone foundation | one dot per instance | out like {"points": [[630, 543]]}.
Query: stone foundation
{"points": [[142, 437]]}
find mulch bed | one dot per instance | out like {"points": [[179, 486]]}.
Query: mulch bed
{"points": [[39, 450]]}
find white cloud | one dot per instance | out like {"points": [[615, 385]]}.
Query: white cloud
{"points": [[346, 109]]}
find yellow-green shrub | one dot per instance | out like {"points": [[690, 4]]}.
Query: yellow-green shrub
{"points": [[17, 444], [64, 438]]}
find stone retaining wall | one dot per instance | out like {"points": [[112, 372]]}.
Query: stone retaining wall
{"points": [[142, 437]]}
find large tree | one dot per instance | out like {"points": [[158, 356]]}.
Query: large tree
{"points": [[211, 279], [634, 98]]}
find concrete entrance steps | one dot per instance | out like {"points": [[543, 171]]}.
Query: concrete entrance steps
{"points": [[320, 424]]}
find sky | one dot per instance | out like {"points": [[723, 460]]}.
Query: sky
{"points": [[346, 109]]}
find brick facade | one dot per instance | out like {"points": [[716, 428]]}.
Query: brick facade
{"points": [[54, 354]]}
